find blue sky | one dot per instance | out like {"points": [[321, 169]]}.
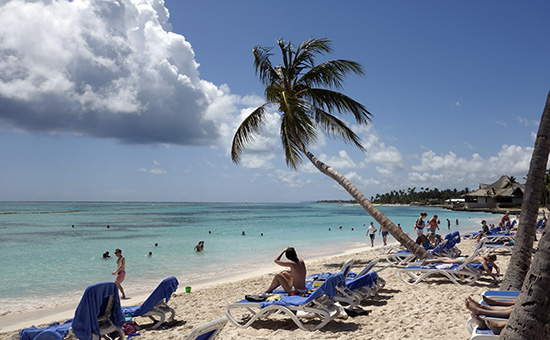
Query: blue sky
{"points": [[139, 100]]}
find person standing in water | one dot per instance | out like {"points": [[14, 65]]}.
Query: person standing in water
{"points": [[120, 271]]}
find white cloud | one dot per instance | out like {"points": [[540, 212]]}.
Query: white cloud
{"points": [[107, 69], [155, 170], [449, 170], [289, 178]]}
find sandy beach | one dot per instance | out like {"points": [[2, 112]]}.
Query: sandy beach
{"points": [[434, 308]]}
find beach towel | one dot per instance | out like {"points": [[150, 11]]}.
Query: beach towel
{"points": [[92, 304]]}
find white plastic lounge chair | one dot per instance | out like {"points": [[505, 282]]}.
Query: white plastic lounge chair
{"points": [[358, 287], [400, 258], [493, 247], [155, 307], [318, 307], [208, 331], [446, 248], [483, 334], [366, 285], [465, 273], [505, 295], [386, 250], [487, 334], [97, 314]]}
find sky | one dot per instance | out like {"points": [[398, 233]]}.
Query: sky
{"points": [[138, 100]]}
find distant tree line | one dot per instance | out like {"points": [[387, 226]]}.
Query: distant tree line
{"points": [[422, 196]]}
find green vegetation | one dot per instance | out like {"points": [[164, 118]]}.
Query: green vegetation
{"points": [[423, 196]]}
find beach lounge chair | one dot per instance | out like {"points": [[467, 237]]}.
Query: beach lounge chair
{"points": [[155, 307], [208, 331], [366, 285], [505, 295], [97, 314], [319, 307], [358, 287], [445, 248], [465, 273]]}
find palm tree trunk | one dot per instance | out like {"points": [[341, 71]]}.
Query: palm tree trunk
{"points": [[397, 233], [521, 254], [530, 318]]}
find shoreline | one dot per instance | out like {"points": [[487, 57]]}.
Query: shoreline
{"points": [[404, 310], [18, 321]]}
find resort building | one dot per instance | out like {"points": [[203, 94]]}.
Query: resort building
{"points": [[503, 194]]}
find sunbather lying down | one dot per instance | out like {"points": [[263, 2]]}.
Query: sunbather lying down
{"points": [[483, 260], [494, 308]]}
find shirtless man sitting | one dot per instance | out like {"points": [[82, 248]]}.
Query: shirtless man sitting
{"points": [[293, 281]]}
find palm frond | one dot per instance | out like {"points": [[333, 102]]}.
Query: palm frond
{"points": [[246, 132], [330, 73], [297, 129], [333, 126], [262, 65], [309, 49], [336, 101]]}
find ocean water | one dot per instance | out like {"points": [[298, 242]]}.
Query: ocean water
{"points": [[47, 262]]}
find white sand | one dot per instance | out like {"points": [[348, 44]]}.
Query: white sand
{"points": [[434, 308]]}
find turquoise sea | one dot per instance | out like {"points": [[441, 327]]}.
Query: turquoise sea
{"points": [[47, 262]]}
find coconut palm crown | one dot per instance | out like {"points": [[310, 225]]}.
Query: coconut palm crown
{"points": [[305, 95]]}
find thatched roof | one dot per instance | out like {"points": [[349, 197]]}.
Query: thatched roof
{"points": [[500, 188]]}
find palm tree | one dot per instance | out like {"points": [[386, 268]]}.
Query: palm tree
{"points": [[305, 95], [530, 317]]}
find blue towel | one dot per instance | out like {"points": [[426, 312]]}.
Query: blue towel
{"points": [[328, 287], [54, 331], [163, 292], [93, 301], [366, 280]]}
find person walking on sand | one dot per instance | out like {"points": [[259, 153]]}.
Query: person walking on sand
{"points": [[293, 281], [371, 231], [120, 271]]}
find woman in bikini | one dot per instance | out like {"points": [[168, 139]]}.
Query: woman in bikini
{"points": [[293, 281], [420, 223], [120, 271]]}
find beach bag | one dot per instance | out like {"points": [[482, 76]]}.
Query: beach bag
{"points": [[129, 327]]}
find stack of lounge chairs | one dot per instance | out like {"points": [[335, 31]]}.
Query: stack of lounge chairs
{"points": [[358, 286]]}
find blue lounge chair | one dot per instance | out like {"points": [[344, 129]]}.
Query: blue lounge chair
{"points": [[208, 331], [358, 287], [465, 273], [318, 305], [366, 285], [155, 307], [445, 248], [97, 314], [503, 295]]}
